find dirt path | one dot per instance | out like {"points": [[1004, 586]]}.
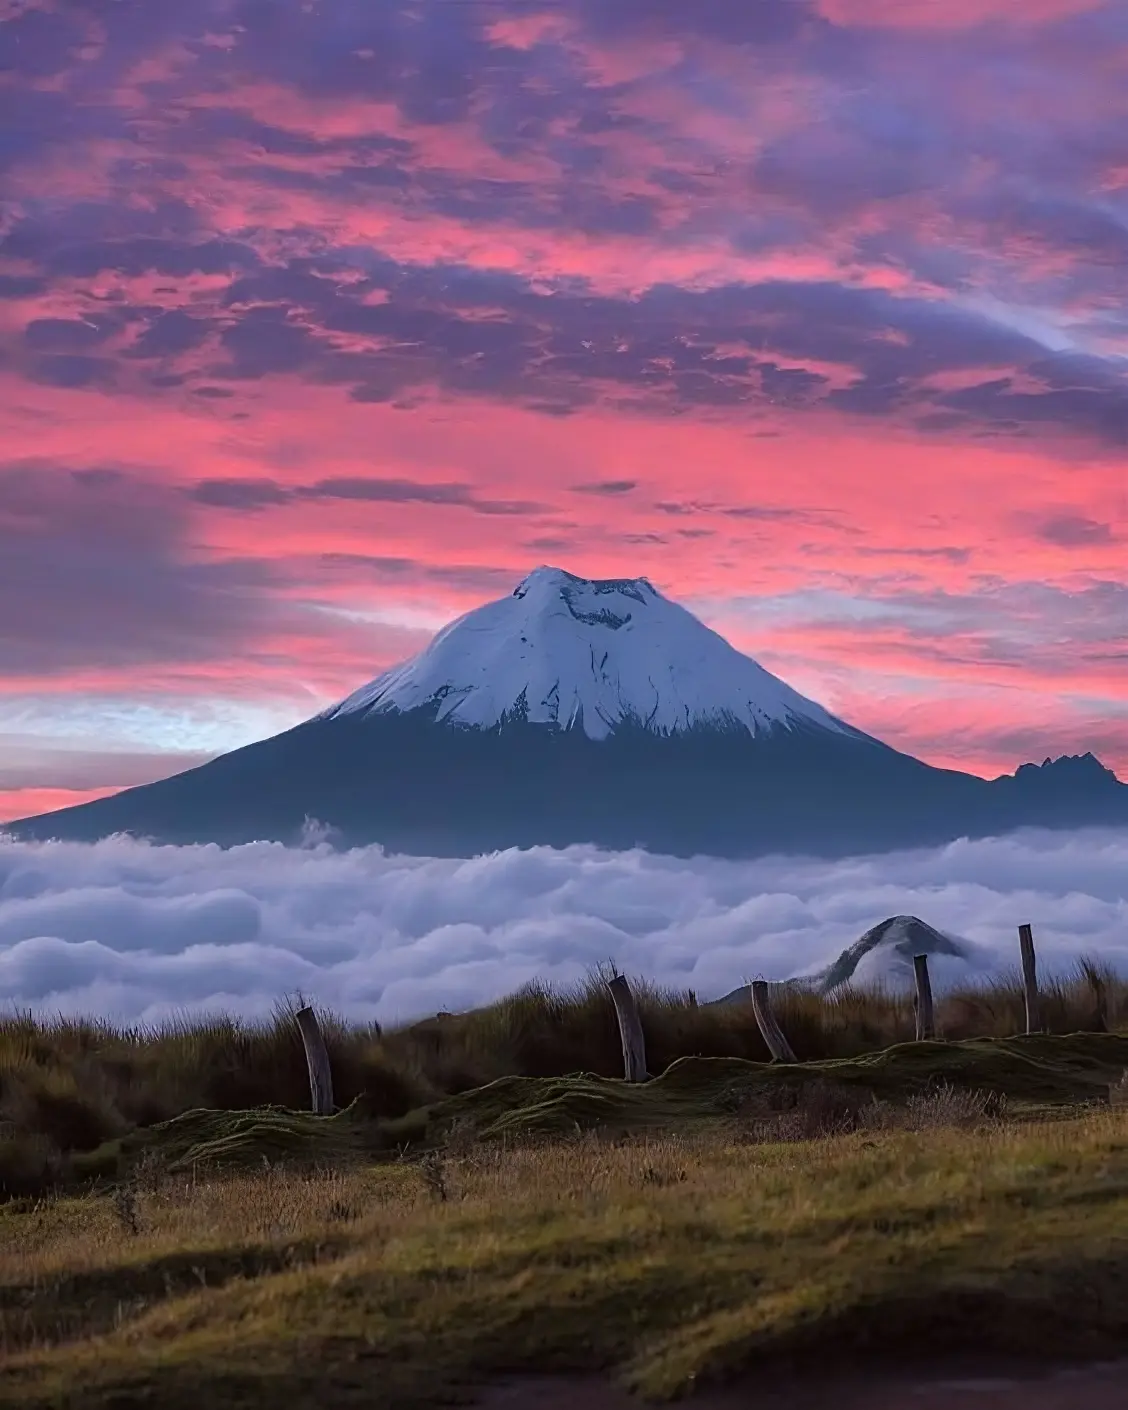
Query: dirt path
{"points": [[956, 1387]]}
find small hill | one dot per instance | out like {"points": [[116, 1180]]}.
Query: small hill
{"points": [[884, 955]]}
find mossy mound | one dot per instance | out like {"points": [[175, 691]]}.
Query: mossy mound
{"points": [[1037, 1072], [273, 1134], [1040, 1068]]}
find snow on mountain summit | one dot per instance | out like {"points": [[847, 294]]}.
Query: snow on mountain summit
{"points": [[587, 654]]}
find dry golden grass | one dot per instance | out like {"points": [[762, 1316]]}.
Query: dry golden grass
{"points": [[67, 1087], [668, 1260]]}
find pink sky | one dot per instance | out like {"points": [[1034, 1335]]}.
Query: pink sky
{"points": [[319, 328]]}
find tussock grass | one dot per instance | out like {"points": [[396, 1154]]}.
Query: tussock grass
{"points": [[71, 1089], [1030, 1076], [666, 1259]]}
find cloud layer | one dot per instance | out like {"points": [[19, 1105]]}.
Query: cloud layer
{"points": [[322, 321], [139, 933]]}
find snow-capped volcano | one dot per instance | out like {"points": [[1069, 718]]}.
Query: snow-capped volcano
{"points": [[577, 710], [587, 654]]}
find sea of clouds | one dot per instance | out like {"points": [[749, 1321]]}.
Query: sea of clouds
{"points": [[141, 933]]}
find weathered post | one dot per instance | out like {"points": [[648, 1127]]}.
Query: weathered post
{"points": [[770, 1030], [925, 1026], [317, 1060], [630, 1029], [1030, 979]]}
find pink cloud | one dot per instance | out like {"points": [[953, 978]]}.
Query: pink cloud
{"points": [[950, 14], [707, 166], [29, 802]]}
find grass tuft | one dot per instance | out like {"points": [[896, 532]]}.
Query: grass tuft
{"points": [[78, 1096]]}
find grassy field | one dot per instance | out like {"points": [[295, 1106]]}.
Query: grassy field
{"points": [[68, 1089], [178, 1231], [806, 1218]]}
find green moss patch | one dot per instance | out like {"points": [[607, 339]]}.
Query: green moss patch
{"points": [[1038, 1072]]}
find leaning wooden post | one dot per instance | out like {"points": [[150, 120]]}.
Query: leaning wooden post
{"points": [[770, 1030], [925, 1026], [317, 1060], [1030, 979], [630, 1029]]}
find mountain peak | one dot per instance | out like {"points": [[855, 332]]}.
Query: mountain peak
{"points": [[607, 602], [587, 654], [568, 586], [1067, 768]]}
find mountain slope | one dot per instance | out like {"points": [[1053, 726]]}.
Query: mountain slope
{"points": [[578, 654], [598, 712]]}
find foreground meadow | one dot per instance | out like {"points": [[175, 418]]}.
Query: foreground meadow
{"points": [[811, 1230], [70, 1087], [177, 1229]]}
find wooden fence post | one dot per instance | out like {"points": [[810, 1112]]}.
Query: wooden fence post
{"points": [[925, 1025], [770, 1030], [630, 1029], [1030, 979], [317, 1060]]}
